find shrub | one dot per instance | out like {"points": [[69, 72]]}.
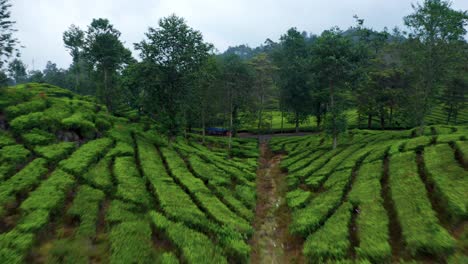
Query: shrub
{"points": [[121, 149], [86, 207], [100, 175], [120, 211], [204, 196], [331, 242], [194, 246], [55, 152], [449, 178], [131, 241], [6, 139], [38, 120], [372, 221], [37, 137], [15, 154], [308, 219], [34, 221], [420, 227], [79, 122], [462, 147], [14, 246], [51, 193], [22, 181], [131, 187], [86, 155], [176, 203], [298, 198], [35, 105]]}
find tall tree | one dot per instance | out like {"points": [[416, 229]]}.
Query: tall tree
{"points": [[174, 52], [263, 85], [8, 42], [292, 61], [237, 80], [73, 39], [335, 64], [107, 54], [433, 29], [17, 71], [206, 92]]}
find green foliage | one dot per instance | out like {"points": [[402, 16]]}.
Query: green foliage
{"points": [[194, 246], [34, 221], [298, 198], [23, 181], [86, 207], [449, 178], [37, 137], [121, 149], [120, 211], [55, 152], [173, 200], [310, 218], [418, 143], [6, 139], [331, 242], [372, 221], [131, 241], [36, 105], [100, 175], [14, 154], [13, 246], [86, 155], [172, 53], [79, 122], [51, 193], [420, 227], [203, 195], [462, 147], [130, 185]]}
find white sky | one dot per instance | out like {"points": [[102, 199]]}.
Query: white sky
{"points": [[224, 23]]}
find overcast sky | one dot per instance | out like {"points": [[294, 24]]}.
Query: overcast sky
{"points": [[224, 23]]}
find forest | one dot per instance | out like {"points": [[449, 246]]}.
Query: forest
{"points": [[347, 146]]}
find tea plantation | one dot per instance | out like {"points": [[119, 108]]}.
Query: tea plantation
{"points": [[78, 185], [380, 197]]}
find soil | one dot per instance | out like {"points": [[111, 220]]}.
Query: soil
{"points": [[271, 242]]}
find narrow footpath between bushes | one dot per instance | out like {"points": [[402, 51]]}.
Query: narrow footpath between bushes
{"points": [[271, 242]]}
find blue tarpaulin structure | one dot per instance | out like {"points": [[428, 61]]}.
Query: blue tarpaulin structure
{"points": [[217, 131]]}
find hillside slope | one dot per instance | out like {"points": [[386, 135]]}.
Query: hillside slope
{"points": [[381, 196], [78, 184]]}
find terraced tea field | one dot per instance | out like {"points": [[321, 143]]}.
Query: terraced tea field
{"points": [[381, 196], [78, 185]]}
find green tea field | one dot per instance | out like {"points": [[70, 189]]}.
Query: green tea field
{"points": [[78, 185]]}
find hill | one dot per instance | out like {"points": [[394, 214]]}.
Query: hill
{"points": [[80, 185]]}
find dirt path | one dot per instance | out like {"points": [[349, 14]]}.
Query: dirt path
{"points": [[271, 242]]}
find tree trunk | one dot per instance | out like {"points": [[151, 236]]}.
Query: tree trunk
{"points": [[260, 114], [297, 123], [449, 114], [332, 106], [106, 91], [230, 127], [282, 121], [369, 121], [203, 126], [390, 118], [318, 120]]}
